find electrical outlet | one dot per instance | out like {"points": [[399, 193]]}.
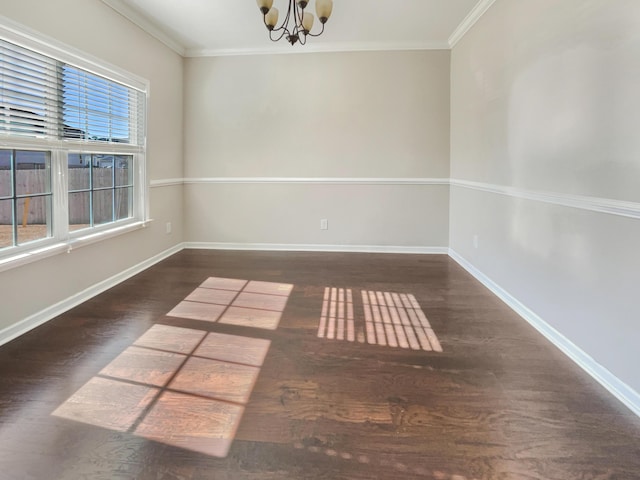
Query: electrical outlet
{"points": [[475, 241], [168, 228], [324, 224]]}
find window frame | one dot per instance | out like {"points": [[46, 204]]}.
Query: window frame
{"points": [[62, 239], [16, 196]]}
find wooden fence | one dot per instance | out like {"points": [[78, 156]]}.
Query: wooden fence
{"points": [[33, 182]]}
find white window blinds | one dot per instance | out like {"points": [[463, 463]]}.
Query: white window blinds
{"points": [[29, 92], [43, 97], [97, 109]]}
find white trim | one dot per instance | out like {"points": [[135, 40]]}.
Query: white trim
{"points": [[613, 384], [21, 258], [75, 146], [80, 239], [27, 37], [316, 48], [290, 247], [325, 180], [146, 25], [594, 204], [469, 21], [43, 316], [166, 182]]}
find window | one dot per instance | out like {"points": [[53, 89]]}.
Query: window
{"points": [[25, 197], [100, 189], [72, 146]]}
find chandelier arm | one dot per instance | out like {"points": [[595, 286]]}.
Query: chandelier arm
{"points": [[285, 32], [293, 5], [282, 27], [285, 22], [298, 13], [317, 34]]}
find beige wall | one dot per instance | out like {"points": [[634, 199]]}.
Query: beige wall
{"points": [[388, 216], [346, 115], [91, 26], [545, 97]]}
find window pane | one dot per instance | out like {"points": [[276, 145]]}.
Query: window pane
{"points": [[79, 211], [79, 171], [32, 218], [33, 172], [123, 201], [124, 170], [102, 171], [5, 175], [95, 108], [102, 206], [6, 224]]}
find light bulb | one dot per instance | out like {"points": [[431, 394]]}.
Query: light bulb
{"points": [[265, 5], [271, 19], [307, 22], [324, 9]]}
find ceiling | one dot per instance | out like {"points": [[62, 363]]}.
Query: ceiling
{"points": [[232, 27]]}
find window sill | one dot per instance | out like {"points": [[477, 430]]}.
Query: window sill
{"points": [[68, 246]]}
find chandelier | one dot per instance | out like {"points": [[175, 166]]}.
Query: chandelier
{"points": [[297, 24]]}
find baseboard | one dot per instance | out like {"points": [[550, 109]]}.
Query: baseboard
{"points": [[613, 384], [43, 316], [316, 248]]}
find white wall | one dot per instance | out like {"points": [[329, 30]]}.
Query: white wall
{"points": [[545, 98], [345, 115], [91, 26]]}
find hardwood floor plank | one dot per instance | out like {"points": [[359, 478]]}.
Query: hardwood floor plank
{"points": [[266, 389]]}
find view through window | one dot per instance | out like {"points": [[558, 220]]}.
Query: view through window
{"points": [[87, 128]]}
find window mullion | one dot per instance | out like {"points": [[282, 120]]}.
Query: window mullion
{"points": [[14, 192], [91, 219], [113, 189], [60, 193]]}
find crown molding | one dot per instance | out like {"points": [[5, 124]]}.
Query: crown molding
{"points": [[168, 39], [469, 21], [317, 48], [147, 25]]}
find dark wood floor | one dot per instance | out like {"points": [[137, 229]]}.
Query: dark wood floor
{"points": [[499, 402]]}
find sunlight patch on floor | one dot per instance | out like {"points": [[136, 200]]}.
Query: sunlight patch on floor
{"points": [[387, 319], [236, 302], [178, 386]]}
